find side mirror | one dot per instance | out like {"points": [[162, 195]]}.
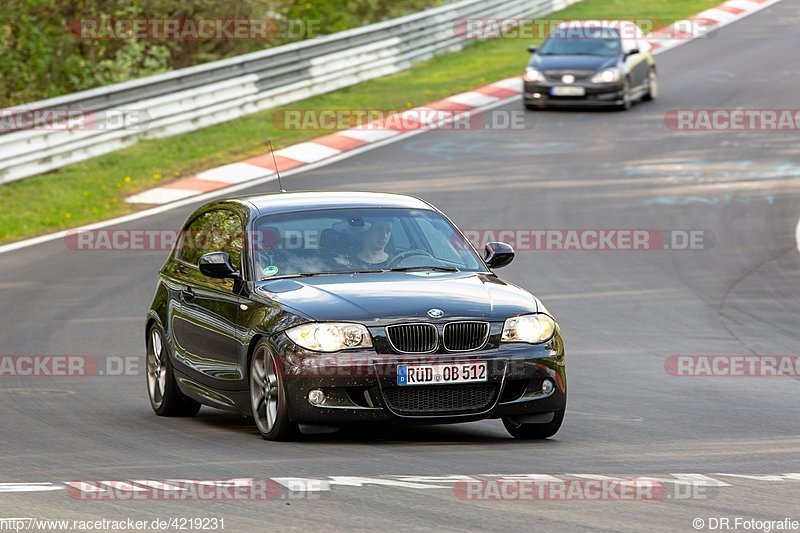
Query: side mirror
{"points": [[498, 254], [217, 265], [532, 49], [632, 52]]}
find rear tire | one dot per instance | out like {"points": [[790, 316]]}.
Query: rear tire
{"points": [[268, 396], [534, 431], [165, 396]]}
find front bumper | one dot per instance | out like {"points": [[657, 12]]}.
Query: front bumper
{"points": [[362, 387], [597, 94]]}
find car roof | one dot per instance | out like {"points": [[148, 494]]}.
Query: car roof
{"points": [[281, 202]]}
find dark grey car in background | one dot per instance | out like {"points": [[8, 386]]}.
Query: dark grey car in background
{"points": [[589, 64]]}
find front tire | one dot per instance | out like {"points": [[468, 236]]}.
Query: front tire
{"points": [[268, 396], [627, 97], [165, 397], [652, 86], [534, 431]]}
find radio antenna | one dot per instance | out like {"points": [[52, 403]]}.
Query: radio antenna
{"points": [[277, 172]]}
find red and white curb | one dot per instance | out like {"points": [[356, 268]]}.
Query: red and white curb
{"points": [[329, 146], [705, 22]]}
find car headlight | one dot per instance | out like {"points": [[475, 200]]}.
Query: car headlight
{"points": [[609, 75], [533, 329], [531, 74], [330, 336]]}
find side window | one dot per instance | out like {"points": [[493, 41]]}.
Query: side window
{"points": [[215, 231]]}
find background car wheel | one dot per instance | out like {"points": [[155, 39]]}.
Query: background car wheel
{"points": [[165, 397], [627, 99], [652, 86], [268, 396], [534, 431]]}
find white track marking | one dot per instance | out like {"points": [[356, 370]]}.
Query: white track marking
{"points": [[445, 481], [369, 135], [234, 173], [472, 98], [514, 84], [308, 152], [29, 487], [717, 14], [797, 235], [159, 195]]}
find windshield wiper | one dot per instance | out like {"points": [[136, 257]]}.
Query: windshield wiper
{"points": [[365, 271], [334, 273], [297, 275], [423, 268], [362, 271], [574, 54]]}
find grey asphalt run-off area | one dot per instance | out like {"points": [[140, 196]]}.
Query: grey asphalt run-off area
{"points": [[623, 313]]}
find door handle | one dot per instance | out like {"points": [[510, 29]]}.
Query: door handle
{"points": [[187, 293]]}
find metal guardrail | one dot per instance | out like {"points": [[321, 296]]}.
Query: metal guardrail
{"points": [[192, 98]]}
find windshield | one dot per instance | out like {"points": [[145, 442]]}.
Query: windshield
{"points": [[332, 241], [582, 41]]}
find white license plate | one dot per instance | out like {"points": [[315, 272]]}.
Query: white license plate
{"points": [[567, 90], [440, 374]]}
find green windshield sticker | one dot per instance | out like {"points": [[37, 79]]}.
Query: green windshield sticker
{"points": [[269, 271]]}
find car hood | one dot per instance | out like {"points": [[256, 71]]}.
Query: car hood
{"points": [[577, 62], [390, 296]]}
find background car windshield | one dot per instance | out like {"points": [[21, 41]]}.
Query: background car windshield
{"points": [[354, 239], [580, 41]]}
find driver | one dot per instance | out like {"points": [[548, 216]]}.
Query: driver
{"points": [[372, 252]]}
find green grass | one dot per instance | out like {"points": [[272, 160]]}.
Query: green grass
{"points": [[95, 190]]}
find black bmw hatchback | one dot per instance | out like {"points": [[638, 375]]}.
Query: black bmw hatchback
{"points": [[591, 63], [334, 308]]}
